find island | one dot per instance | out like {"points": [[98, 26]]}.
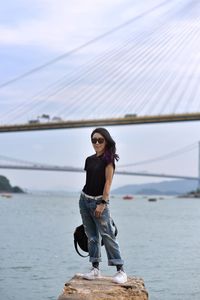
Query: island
{"points": [[6, 187]]}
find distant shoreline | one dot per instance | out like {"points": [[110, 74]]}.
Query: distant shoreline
{"points": [[193, 194]]}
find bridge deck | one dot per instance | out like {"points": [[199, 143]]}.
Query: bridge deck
{"points": [[130, 120]]}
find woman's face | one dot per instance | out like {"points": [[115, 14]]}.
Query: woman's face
{"points": [[99, 143]]}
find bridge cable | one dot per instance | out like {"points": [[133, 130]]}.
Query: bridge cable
{"points": [[163, 157], [76, 82], [92, 41]]}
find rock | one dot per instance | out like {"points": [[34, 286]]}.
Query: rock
{"points": [[103, 289]]}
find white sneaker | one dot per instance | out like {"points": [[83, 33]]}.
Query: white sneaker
{"points": [[120, 277], [93, 274]]}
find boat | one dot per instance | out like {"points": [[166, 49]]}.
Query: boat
{"points": [[128, 197], [152, 199], [5, 195]]}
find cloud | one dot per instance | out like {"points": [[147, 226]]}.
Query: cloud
{"points": [[62, 25], [58, 24]]}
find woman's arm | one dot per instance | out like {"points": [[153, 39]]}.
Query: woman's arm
{"points": [[109, 176]]}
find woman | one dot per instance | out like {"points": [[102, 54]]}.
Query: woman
{"points": [[94, 205]]}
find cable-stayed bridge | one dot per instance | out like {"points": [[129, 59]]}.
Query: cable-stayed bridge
{"points": [[145, 70]]}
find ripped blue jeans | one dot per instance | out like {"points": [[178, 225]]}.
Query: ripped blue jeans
{"points": [[97, 228]]}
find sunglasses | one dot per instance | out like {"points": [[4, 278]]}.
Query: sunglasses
{"points": [[99, 140]]}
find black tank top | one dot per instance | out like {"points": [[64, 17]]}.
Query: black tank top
{"points": [[95, 175]]}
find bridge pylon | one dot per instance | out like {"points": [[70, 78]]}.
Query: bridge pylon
{"points": [[199, 170]]}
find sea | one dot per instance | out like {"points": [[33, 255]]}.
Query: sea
{"points": [[159, 241]]}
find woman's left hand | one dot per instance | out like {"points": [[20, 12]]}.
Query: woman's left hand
{"points": [[99, 210]]}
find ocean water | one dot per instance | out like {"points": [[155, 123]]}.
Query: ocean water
{"points": [[160, 242]]}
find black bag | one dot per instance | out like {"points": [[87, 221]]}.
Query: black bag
{"points": [[81, 240]]}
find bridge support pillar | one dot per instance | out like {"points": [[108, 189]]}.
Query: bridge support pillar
{"points": [[199, 170]]}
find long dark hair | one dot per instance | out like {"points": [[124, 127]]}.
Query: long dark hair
{"points": [[110, 154]]}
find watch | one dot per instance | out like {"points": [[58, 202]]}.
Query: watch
{"points": [[104, 201]]}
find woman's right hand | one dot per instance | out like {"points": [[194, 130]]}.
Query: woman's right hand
{"points": [[99, 210]]}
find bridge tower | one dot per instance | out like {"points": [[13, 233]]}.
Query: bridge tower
{"points": [[199, 171]]}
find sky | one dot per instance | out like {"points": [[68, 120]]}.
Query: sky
{"points": [[35, 32]]}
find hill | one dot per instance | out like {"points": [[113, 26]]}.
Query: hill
{"points": [[172, 187], [5, 186]]}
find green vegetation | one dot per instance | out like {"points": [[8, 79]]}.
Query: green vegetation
{"points": [[5, 186]]}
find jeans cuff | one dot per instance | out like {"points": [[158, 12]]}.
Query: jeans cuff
{"points": [[115, 262], [95, 259]]}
